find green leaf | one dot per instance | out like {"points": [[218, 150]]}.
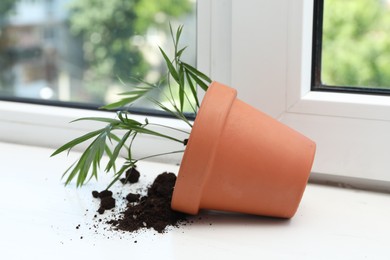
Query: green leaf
{"points": [[181, 88], [176, 114], [170, 66], [129, 153], [121, 103], [172, 34], [197, 72], [198, 81], [149, 86], [90, 154], [75, 170], [125, 120], [109, 154], [77, 141], [99, 119], [132, 96], [116, 151], [90, 158], [96, 160], [180, 52], [67, 170], [193, 89], [114, 137], [165, 108], [143, 130], [178, 34], [139, 90], [120, 172]]}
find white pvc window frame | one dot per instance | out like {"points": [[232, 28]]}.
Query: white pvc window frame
{"points": [[263, 49], [272, 47], [352, 130]]}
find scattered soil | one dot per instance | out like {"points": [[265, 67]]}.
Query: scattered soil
{"points": [[132, 176], [106, 200], [150, 211]]}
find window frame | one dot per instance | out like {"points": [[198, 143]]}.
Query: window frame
{"points": [[351, 130], [316, 81]]}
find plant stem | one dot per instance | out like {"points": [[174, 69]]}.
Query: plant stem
{"points": [[134, 161], [169, 127], [159, 154]]}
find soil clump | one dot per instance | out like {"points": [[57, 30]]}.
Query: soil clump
{"points": [[150, 211], [131, 176], [106, 200]]}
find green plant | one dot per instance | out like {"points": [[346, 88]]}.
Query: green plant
{"points": [[181, 80]]}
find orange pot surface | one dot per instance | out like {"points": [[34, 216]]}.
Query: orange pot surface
{"points": [[242, 160]]}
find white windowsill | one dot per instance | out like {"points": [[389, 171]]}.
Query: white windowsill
{"points": [[39, 218]]}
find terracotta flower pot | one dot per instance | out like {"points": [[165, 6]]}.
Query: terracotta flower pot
{"points": [[241, 160]]}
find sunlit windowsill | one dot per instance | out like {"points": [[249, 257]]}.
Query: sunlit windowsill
{"points": [[39, 218]]}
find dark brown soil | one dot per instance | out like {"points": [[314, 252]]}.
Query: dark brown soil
{"points": [[150, 211], [132, 176], [132, 197], [106, 200], [153, 210]]}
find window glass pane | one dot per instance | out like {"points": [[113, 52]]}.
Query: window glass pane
{"points": [[356, 43], [77, 50]]}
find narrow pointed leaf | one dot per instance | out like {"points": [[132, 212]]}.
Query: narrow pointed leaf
{"points": [[172, 34], [75, 170], [149, 86], [121, 103], [67, 170], [99, 119], [181, 88], [180, 52], [170, 66], [127, 121], [165, 108], [139, 92], [113, 136], [197, 72], [193, 89], [178, 34], [119, 173], [109, 154], [116, 151], [198, 81], [77, 141], [143, 130], [175, 114]]}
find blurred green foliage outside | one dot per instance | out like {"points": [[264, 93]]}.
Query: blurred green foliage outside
{"points": [[356, 43], [83, 50], [109, 30]]}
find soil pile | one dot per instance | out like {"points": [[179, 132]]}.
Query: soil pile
{"points": [[152, 210]]}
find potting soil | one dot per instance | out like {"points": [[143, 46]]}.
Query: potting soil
{"points": [[150, 211]]}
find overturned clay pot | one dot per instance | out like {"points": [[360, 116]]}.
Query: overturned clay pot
{"points": [[239, 159]]}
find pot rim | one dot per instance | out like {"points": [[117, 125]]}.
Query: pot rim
{"points": [[198, 157]]}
